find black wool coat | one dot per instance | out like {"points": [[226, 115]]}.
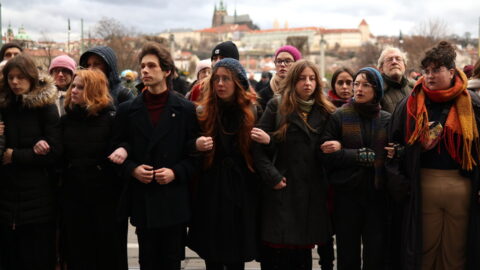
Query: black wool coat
{"points": [[169, 144], [27, 188], [296, 214]]}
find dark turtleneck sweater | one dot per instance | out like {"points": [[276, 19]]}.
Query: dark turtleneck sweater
{"points": [[155, 104]]}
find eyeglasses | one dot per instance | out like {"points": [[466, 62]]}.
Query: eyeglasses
{"points": [[341, 82], [364, 85], [433, 71], [286, 62], [396, 58], [217, 79], [62, 70]]}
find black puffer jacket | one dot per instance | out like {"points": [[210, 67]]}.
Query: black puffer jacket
{"points": [[394, 92], [118, 92], [27, 191]]}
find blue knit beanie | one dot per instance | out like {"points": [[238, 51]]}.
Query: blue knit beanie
{"points": [[236, 68], [377, 78]]}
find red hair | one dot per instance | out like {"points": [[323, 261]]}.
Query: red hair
{"points": [[209, 117], [95, 90]]}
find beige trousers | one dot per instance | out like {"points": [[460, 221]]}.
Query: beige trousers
{"points": [[445, 209]]}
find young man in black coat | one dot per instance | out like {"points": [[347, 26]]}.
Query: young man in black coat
{"points": [[158, 128]]}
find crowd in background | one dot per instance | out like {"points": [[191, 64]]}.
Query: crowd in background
{"points": [[385, 164]]}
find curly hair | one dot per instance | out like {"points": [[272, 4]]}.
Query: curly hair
{"points": [[95, 91], [289, 103], [209, 116], [443, 54]]}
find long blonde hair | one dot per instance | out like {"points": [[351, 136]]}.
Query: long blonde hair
{"points": [[289, 102]]}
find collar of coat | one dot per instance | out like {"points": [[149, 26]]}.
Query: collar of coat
{"points": [[44, 94]]}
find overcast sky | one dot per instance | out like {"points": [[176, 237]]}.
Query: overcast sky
{"points": [[46, 18]]}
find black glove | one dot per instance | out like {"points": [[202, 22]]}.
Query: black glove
{"points": [[365, 156], [399, 150]]}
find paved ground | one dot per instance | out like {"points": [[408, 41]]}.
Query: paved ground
{"points": [[192, 261]]}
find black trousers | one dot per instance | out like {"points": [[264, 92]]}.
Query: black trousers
{"points": [[161, 248], [30, 246], [326, 253], [357, 223], [286, 259], [221, 266]]}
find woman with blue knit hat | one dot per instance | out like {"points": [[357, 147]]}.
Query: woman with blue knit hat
{"points": [[223, 230], [357, 173]]}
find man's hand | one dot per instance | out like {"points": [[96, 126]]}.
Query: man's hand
{"points": [[164, 176], [7, 156], [143, 173]]}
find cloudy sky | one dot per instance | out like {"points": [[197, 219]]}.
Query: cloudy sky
{"points": [[46, 18]]}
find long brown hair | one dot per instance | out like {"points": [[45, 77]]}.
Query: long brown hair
{"points": [[95, 91], [289, 103], [209, 116]]}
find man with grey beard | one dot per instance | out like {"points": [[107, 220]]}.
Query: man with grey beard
{"points": [[392, 64]]}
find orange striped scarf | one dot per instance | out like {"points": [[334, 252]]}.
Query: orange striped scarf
{"points": [[460, 129]]}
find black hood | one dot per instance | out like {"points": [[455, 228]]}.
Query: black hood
{"points": [[108, 55]]}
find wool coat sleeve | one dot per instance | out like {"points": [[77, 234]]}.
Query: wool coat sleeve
{"points": [[186, 168], [119, 139], [51, 134], [263, 154], [343, 158], [398, 183]]}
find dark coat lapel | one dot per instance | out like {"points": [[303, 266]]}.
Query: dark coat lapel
{"points": [[167, 119], [141, 117]]}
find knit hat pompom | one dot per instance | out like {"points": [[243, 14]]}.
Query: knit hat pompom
{"points": [[226, 49], [379, 85], [236, 68], [297, 55], [63, 61]]}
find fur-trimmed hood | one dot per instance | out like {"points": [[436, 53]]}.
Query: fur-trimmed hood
{"points": [[44, 94]]}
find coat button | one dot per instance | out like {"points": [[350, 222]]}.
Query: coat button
{"points": [[173, 114]]}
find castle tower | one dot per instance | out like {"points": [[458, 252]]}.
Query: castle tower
{"points": [[218, 14], [364, 30]]}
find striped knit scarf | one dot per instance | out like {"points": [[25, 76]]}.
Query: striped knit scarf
{"points": [[352, 138], [460, 134]]}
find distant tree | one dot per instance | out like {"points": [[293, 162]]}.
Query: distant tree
{"points": [[46, 45], [425, 35], [368, 55], [123, 41], [300, 42]]}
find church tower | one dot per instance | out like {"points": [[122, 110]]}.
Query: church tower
{"points": [[218, 14]]}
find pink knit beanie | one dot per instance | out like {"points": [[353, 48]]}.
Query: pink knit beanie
{"points": [[63, 61], [297, 55]]}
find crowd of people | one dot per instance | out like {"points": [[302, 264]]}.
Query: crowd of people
{"points": [[383, 166]]}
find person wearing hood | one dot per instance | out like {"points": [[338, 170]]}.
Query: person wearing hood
{"points": [[104, 58], [284, 58], [357, 173], [436, 179], [90, 189], [392, 64], [62, 69], [474, 82], [27, 191]]}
